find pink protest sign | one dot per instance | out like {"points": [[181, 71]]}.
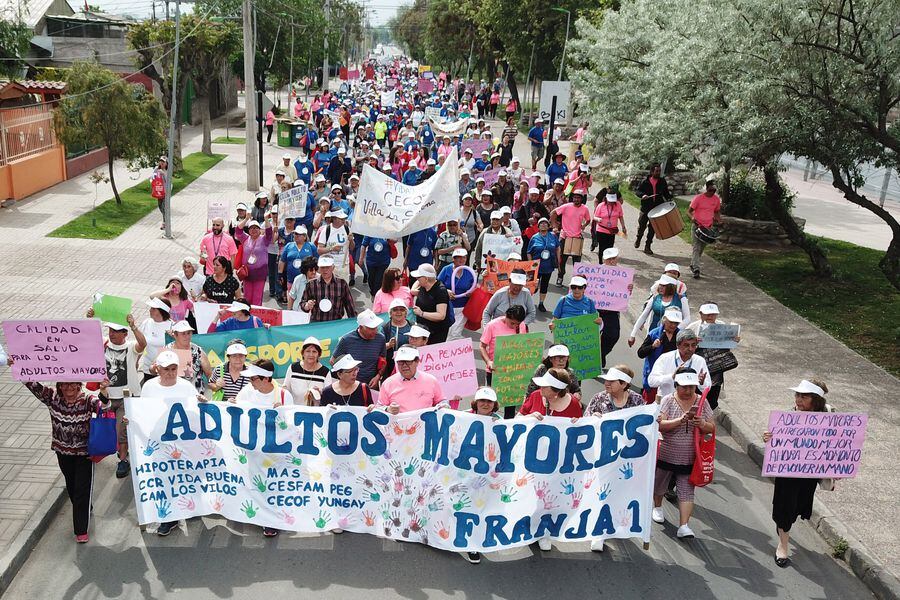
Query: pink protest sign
{"points": [[476, 145], [425, 86], [607, 286], [56, 350], [490, 177], [814, 444], [453, 364], [353, 74]]}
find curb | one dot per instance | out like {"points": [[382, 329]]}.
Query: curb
{"points": [[25, 541], [868, 569]]}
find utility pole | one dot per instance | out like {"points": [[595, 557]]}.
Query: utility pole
{"points": [[153, 8], [325, 60], [522, 117], [174, 115], [251, 155], [167, 9], [291, 75], [469, 63], [259, 105]]}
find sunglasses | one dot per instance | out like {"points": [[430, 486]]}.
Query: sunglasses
{"points": [[577, 287]]}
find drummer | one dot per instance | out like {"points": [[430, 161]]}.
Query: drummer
{"points": [[704, 211], [653, 191]]}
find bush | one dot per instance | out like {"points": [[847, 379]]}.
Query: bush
{"points": [[746, 196]]}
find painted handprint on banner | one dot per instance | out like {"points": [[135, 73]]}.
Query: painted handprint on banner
{"points": [[186, 503], [152, 446]]}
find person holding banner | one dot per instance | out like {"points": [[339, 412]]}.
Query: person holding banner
{"points": [[557, 358], [226, 380], [327, 298], [198, 363], [544, 246], [154, 328], [395, 331], [679, 414], [667, 367], [576, 302], [70, 417], [432, 307], [217, 243], [409, 389], [509, 324], [460, 280], [306, 378], [240, 318], [793, 496], [346, 389], [611, 324]]}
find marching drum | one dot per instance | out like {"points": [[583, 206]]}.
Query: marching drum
{"points": [[666, 220], [707, 235]]}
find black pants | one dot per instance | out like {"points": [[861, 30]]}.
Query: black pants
{"points": [[544, 279], [270, 129], [604, 241], [376, 274], [78, 471], [712, 397], [562, 266], [644, 223], [610, 335]]}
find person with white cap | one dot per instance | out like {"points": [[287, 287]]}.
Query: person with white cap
{"points": [[167, 385], [409, 388], [335, 241], [255, 257], [665, 297], [511, 295], [616, 393], [557, 358], [574, 217], [660, 339], [494, 227], [192, 358], [793, 496], [609, 218], [305, 170], [507, 221], [482, 163], [460, 281], [419, 248], [367, 344], [263, 391], [290, 173], [544, 246], [536, 137], [680, 413], [467, 161], [430, 169], [121, 356], [217, 243], [532, 208], [669, 364], [306, 378], [339, 167], [346, 389], [432, 307], [716, 358], [294, 253], [466, 183], [704, 211], [576, 302], [450, 240], [417, 336], [556, 195], [511, 323], [236, 317], [154, 328], [674, 271], [396, 331], [181, 306], [503, 190], [327, 298], [281, 184], [611, 324], [226, 380]]}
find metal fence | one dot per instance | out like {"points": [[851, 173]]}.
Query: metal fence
{"points": [[25, 131]]}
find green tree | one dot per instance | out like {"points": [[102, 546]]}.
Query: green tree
{"points": [[14, 37], [102, 109]]}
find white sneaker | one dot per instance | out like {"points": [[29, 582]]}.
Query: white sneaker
{"points": [[658, 515], [685, 532], [337, 531], [544, 544], [597, 546]]}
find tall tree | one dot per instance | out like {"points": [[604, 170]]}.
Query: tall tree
{"points": [[14, 37], [102, 109]]}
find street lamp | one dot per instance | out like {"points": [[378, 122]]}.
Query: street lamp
{"points": [[566, 42]]}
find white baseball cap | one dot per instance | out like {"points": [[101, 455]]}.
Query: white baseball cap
{"points": [[255, 371], [514, 256], [548, 380], [398, 303], [262, 194], [431, 161], [673, 315], [518, 278], [240, 206], [236, 349], [166, 358], [342, 150], [182, 327], [709, 309], [418, 331], [285, 156], [612, 198], [539, 120], [325, 261], [336, 187], [687, 379], [312, 341], [279, 172], [579, 281], [301, 230], [505, 210], [157, 303], [460, 252], [610, 253], [486, 393], [496, 214], [406, 353], [672, 267], [502, 173], [238, 306], [666, 280], [558, 181], [616, 375], [368, 318], [424, 270], [338, 214], [808, 387], [487, 193], [534, 190], [253, 223], [558, 350], [116, 326], [515, 159], [345, 363]]}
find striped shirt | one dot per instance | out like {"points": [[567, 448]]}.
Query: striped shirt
{"points": [[69, 423], [368, 351], [232, 386]]}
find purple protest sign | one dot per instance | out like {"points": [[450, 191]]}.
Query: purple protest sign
{"points": [[490, 177], [453, 364], [814, 444], [476, 145], [607, 286], [56, 350], [425, 86]]}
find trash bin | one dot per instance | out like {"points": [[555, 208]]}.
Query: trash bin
{"points": [[284, 132], [297, 132]]}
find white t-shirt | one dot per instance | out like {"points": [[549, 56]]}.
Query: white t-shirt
{"points": [[156, 340], [277, 397], [336, 236], [194, 285], [182, 389]]}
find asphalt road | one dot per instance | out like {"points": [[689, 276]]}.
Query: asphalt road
{"points": [[732, 556]]}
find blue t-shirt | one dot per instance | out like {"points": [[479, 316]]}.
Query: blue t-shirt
{"points": [[292, 256], [378, 252], [543, 247], [411, 177], [421, 248], [555, 171], [305, 170], [570, 307], [536, 133], [464, 283], [232, 324], [427, 136], [480, 165]]}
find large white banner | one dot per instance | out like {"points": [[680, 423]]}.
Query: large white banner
{"points": [[386, 208], [448, 479], [452, 129]]}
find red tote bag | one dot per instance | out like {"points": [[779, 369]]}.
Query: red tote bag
{"points": [[474, 308], [704, 453]]}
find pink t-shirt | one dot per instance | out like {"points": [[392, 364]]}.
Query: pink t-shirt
{"points": [[495, 329], [270, 118], [213, 246], [705, 207], [572, 217], [423, 391], [382, 301], [609, 213]]}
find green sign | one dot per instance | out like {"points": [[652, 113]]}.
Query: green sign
{"points": [[515, 359], [582, 337], [282, 345], [112, 309]]}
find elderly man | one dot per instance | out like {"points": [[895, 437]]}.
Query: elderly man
{"points": [[327, 298], [217, 243], [496, 228], [503, 190], [574, 217], [662, 375], [409, 389], [432, 307], [366, 344], [514, 294], [449, 241], [459, 288], [290, 173], [466, 183]]}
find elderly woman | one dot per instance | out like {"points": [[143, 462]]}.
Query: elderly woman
{"points": [[237, 316], [709, 312], [680, 413], [154, 329], [192, 277], [793, 496], [226, 380], [346, 390], [432, 307], [391, 289], [557, 358], [293, 255], [181, 306], [544, 247], [222, 287], [509, 324], [70, 418], [666, 297], [615, 395], [306, 378], [198, 364], [255, 246]]}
